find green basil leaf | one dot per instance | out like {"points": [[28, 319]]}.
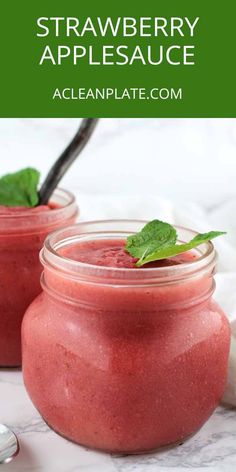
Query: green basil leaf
{"points": [[155, 235], [20, 188], [174, 250]]}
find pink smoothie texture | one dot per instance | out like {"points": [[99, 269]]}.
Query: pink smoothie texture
{"points": [[7, 211], [128, 367], [113, 254], [20, 270]]}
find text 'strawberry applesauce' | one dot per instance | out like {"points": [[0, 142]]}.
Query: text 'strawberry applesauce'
{"points": [[22, 233], [120, 358]]}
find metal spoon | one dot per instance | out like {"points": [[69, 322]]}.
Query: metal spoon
{"points": [[68, 156], [9, 446]]}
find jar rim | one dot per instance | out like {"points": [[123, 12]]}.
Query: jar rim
{"points": [[28, 222], [25, 210], [50, 257]]}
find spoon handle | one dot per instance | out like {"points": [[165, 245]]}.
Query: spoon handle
{"points": [[66, 159]]}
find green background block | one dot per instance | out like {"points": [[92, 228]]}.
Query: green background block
{"points": [[208, 86]]}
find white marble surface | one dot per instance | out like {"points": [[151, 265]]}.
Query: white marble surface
{"points": [[180, 160]]}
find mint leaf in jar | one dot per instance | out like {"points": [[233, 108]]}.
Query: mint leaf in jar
{"points": [[20, 188], [154, 236], [157, 240]]}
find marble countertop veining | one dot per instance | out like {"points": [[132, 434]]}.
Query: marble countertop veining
{"points": [[213, 448]]}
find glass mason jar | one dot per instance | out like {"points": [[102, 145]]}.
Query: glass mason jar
{"points": [[124, 360], [22, 234]]}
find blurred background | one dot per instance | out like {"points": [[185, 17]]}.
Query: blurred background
{"points": [[181, 170], [184, 158]]}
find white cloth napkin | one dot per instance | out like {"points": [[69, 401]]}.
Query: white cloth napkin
{"points": [[220, 217]]}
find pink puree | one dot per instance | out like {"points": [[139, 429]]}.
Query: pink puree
{"points": [[20, 272], [7, 211], [124, 369], [112, 254]]}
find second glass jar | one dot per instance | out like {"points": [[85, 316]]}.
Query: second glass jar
{"points": [[22, 234]]}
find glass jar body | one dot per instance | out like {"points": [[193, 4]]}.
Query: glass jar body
{"points": [[21, 237], [125, 368]]}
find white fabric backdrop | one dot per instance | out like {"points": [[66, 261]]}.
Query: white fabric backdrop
{"points": [[191, 159]]}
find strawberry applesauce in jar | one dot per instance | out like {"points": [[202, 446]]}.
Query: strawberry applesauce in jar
{"points": [[22, 233], [120, 358]]}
